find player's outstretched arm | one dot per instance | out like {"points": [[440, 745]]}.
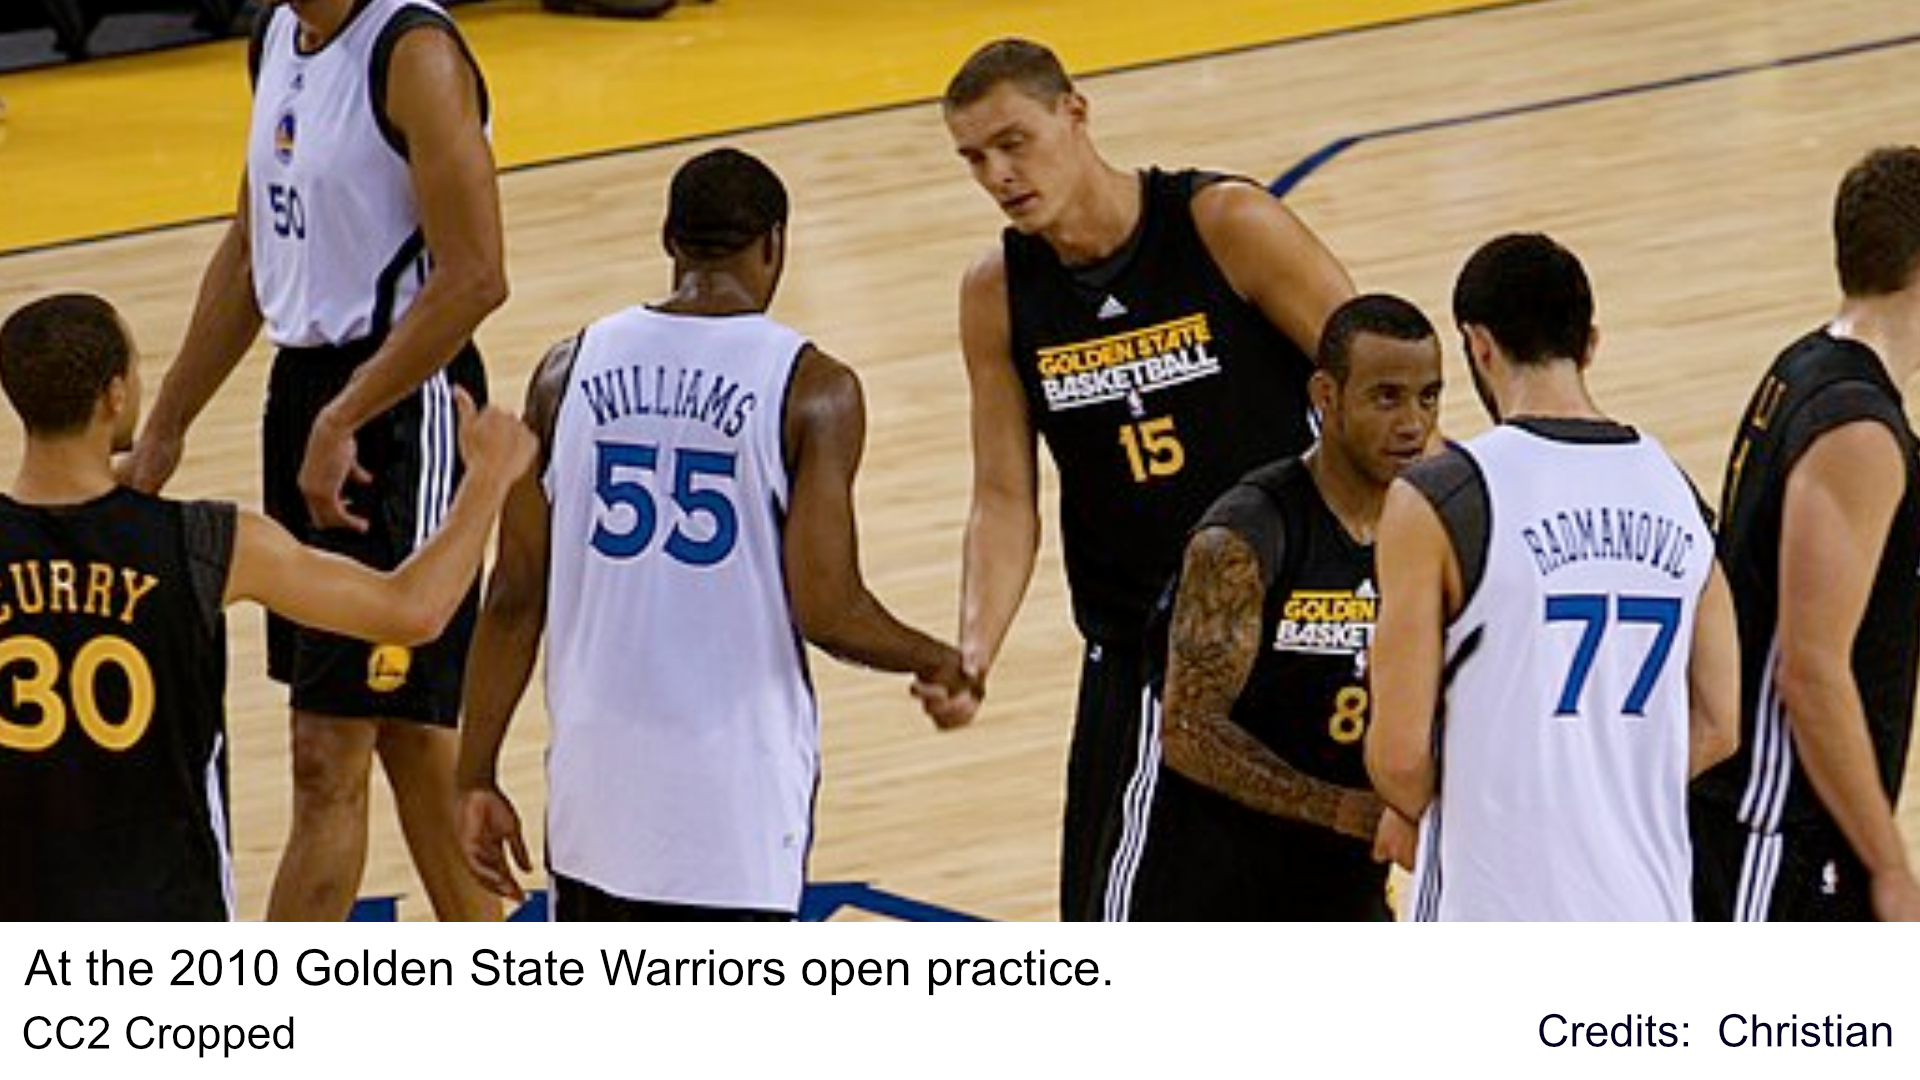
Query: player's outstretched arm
{"points": [[1270, 257], [412, 603], [1413, 558], [1838, 508], [1003, 523], [825, 431], [1713, 678], [433, 101], [505, 644], [226, 319], [1212, 647]]}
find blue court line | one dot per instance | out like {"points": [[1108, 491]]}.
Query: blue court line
{"points": [[818, 902], [1312, 163]]}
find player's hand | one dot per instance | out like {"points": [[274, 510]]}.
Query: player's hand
{"points": [[495, 446], [325, 471], [1396, 839], [950, 694], [1896, 897], [489, 829], [151, 462]]}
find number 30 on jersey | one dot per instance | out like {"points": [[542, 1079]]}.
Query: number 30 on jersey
{"points": [[36, 670]]}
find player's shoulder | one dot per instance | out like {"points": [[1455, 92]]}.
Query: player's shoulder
{"points": [[823, 382], [1226, 201], [1445, 476], [986, 275]]}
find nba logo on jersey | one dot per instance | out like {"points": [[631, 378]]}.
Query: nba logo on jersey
{"points": [[283, 138]]}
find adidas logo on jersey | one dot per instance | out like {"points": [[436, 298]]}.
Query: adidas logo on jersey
{"points": [[1112, 308]]}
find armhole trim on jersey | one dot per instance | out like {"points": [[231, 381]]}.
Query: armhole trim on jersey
{"points": [[547, 427], [209, 530], [1293, 524], [1199, 180], [386, 291], [1886, 413], [1456, 488], [786, 399], [404, 21]]}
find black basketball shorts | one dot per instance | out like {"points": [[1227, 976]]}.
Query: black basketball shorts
{"points": [[412, 453]]}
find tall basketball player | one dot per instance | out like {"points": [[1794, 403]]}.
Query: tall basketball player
{"points": [[113, 642], [1822, 542], [1549, 600], [368, 236], [692, 520], [1157, 330]]}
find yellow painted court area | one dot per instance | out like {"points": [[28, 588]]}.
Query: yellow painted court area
{"points": [[115, 145]]}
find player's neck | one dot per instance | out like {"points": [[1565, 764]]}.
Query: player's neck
{"points": [[710, 292], [1098, 222], [63, 471], [1887, 325], [1354, 500], [1547, 391], [321, 19]]}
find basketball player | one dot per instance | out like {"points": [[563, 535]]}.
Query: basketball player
{"points": [[1821, 541], [368, 236], [112, 637], [693, 514], [1549, 598], [1261, 808], [1157, 329]]}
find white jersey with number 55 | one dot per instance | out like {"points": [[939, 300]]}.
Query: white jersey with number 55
{"points": [[685, 736]]}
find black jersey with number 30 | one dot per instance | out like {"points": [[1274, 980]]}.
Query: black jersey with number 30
{"points": [[1156, 386], [112, 682]]}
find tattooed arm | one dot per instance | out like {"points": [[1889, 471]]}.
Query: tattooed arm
{"points": [[1214, 641]]}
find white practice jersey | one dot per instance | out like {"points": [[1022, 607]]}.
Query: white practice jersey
{"points": [[1563, 746], [685, 742], [338, 253]]}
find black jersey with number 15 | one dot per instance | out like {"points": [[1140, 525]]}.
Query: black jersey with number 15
{"points": [[1156, 385]]}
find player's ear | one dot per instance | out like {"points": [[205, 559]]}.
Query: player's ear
{"points": [[1322, 389], [1477, 343], [1074, 104], [1593, 346]]}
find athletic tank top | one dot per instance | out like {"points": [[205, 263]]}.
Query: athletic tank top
{"points": [[1306, 697], [685, 738], [113, 659], [1155, 386], [1563, 739], [338, 253], [1816, 385]]}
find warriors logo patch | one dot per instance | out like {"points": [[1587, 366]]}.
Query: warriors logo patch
{"points": [[387, 668]]}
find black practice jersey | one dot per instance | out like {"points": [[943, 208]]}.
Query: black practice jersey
{"points": [[1208, 856], [113, 665], [1818, 384], [1306, 697], [1156, 386]]}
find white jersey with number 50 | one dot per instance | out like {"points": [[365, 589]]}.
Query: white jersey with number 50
{"points": [[334, 233], [685, 737], [1563, 745]]}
